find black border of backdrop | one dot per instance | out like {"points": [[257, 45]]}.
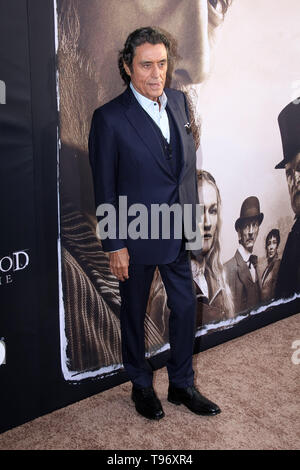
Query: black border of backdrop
{"points": [[31, 381], [19, 377]]}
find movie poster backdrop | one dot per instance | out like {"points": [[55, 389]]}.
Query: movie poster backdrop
{"points": [[235, 62]]}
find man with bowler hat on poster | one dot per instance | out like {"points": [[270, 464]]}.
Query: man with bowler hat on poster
{"points": [[141, 146], [241, 270], [288, 281]]}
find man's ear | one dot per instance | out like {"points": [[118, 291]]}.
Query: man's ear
{"points": [[127, 69]]}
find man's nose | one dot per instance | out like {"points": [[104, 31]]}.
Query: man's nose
{"points": [[155, 72]]}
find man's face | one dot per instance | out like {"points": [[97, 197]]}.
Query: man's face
{"points": [[248, 234], [292, 171], [149, 70], [271, 247], [209, 221]]}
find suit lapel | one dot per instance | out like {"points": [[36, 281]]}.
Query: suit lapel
{"points": [[180, 121], [136, 115], [258, 277]]}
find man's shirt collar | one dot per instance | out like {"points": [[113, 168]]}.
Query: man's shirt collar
{"points": [[245, 254], [148, 104]]}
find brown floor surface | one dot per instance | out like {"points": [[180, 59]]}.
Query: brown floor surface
{"points": [[252, 378]]}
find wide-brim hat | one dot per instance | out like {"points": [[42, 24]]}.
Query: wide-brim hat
{"points": [[289, 125], [250, 210]]}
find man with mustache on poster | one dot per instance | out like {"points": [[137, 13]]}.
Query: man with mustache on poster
{"points": [[288, 281], [241, 270], [141, 146]]}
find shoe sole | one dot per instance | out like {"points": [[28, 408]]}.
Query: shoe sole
{"points": [[154, 418], [175, 402]]}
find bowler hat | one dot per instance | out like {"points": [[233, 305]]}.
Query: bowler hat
{"points": [[289, 125], [250, 210]]}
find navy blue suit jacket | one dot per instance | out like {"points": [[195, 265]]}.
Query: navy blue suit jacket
{"points": [[127, 159]]}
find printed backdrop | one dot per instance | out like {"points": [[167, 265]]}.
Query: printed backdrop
{"points": [[59, 324], [234, 62]]}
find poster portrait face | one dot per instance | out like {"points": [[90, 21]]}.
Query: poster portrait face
{"points": [[89, 49], [292, 171], [101, 20], [248, 234], [209, 221], [271, 246]]}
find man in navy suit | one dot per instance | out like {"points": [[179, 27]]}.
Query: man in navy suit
{"points": [[141, 147]]}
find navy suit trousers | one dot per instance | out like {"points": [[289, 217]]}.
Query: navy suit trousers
{"points": [[178, 282]]}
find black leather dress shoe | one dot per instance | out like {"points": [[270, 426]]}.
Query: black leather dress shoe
{"points": [[147, 403], [193, 400]]}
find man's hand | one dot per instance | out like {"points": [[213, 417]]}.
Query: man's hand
{"points": [[119, 262]]}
